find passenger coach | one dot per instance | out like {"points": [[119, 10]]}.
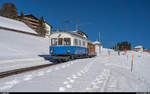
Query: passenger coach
{"points": [[69, 45]]}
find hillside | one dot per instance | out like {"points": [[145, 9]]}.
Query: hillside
{"points": [[18, 45], [14, 24]]}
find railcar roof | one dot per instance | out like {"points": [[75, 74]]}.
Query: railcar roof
{"points": [[72, 34]]}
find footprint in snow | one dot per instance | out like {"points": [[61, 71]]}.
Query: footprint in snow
{"points": [[9, 85], [68, 86], [83, 71], [95, 86], [13, 82], [79, 74], [71, 62], [74, 76], [27, 77], [93, 83], [99, 82], [63, 66], [57, 68], [41, 73], [72, 81], [61, 89], [97, 79], [49, 70], [87, 89], [68, 78], [5, 87], [65, 82]]}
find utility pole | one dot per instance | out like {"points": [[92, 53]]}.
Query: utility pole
{"points": [[77, 23], [63, 24], [100, 42], [99, 37], [49, 44]]}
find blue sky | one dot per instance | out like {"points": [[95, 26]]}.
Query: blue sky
{"points": [[116, 20]]}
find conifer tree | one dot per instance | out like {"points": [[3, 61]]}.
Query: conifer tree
{"points": [[9, 10], [123, 46], [21, 15], [41, 28]]}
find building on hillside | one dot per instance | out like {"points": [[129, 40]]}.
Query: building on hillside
{"points": [[139, 48], [48, 29], [98, 46], [33, 23], [147, 50]]}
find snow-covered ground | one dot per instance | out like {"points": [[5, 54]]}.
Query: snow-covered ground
{"points": [[14, 24], [104, 73]]}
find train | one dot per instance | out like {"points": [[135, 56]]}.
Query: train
{"points": [[66, 46]]}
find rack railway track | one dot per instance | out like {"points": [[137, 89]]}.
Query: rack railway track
{"points": [[22, 70]]}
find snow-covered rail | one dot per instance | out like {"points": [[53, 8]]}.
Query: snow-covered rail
{"points": [[19, 31], [21, 70]]}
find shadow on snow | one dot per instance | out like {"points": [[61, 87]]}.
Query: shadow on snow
{"points": [[48, 58]]}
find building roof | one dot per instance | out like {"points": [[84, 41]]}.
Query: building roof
{"points": [[97, 42], [138, 46], [32, 16]]}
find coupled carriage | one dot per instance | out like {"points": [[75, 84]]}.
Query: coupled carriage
{"points": [[65, 46]]}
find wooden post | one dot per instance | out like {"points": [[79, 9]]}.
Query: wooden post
{"points": [[132, 62]]}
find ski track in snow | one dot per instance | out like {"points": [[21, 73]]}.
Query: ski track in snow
{"points": [[69, 82], [100, 83]]}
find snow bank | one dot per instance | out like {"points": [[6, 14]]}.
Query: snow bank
{"points": [[14, 24], [17, 45], [18, 50]]}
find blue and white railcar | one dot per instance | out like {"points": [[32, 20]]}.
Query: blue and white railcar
{"points": [[67, 45]]}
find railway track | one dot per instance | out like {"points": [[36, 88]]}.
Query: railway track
{"points": [[21, 70]]}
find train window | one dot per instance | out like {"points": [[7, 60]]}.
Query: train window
{"points": [[67, 41], [54, 41], [60, 41], [83, 43], [75, 42], [79, 42]]}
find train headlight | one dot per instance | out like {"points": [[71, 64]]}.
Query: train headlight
{"points": [[51, 51], [68, 51]]}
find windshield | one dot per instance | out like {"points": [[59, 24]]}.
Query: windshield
{"points": [[60, 41]]}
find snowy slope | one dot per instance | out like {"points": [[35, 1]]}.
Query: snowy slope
{"points": [[14, 24], [18, 50], [17, 45]]}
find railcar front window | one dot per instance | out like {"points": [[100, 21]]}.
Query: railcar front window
{"points": [[54, 41], [67, 41], [60, 41]]}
